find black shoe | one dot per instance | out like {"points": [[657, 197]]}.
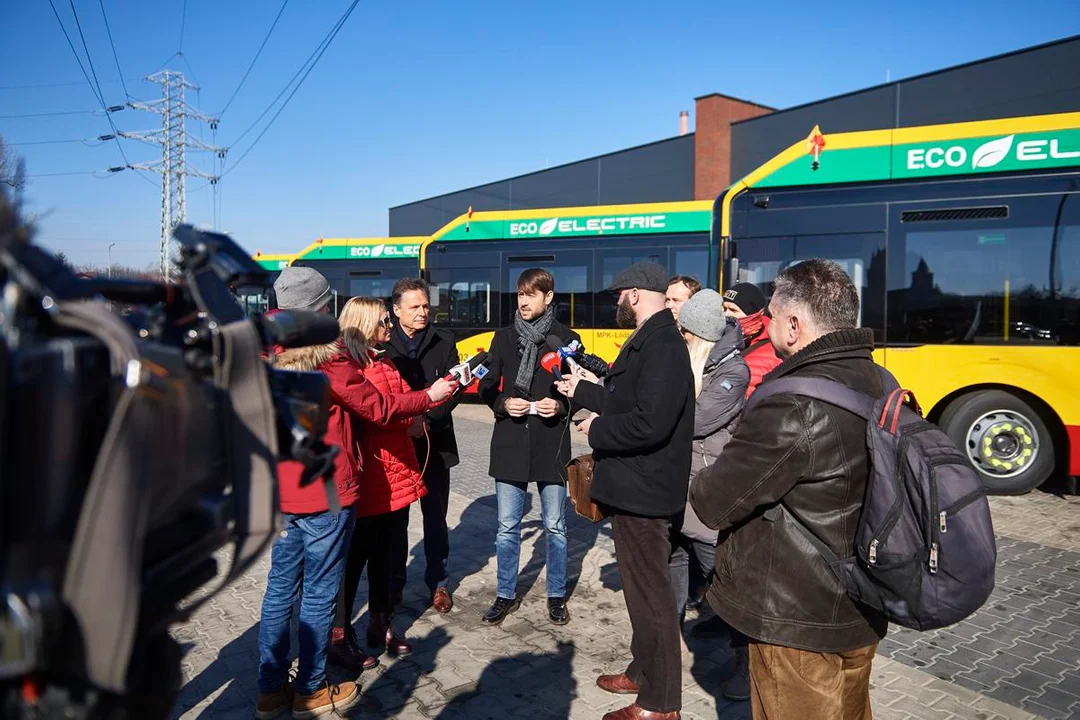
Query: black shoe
{"points": [[499, 610], [738, 685], [711, 628], [558, 611]]}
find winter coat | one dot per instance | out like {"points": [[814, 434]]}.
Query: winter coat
{"points": [[391, 477], [529, 448], [436, 355], [760, 356], [716, 414], [353, 397], [794, 456], [643, 439]]}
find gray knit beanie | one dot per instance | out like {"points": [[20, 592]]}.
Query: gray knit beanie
{"points": [[301, 288], [703, 315]]}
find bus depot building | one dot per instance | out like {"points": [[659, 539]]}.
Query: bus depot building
{"points": [[733, 136]]}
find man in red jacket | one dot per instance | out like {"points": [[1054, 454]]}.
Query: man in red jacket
{"points": [[746, 303]]}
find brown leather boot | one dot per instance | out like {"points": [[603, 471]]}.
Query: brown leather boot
{"points": [[344, 652], [381, 634], [275, 704], [619, 684], [326, 700]]}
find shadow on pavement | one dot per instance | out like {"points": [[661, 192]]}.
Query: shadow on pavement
{"points": [[540, 685], [235, 667]]}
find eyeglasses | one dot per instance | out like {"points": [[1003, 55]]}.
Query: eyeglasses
{"points": [[385, 322]]}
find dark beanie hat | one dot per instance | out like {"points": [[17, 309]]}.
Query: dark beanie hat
{"points": [[747, 296]]}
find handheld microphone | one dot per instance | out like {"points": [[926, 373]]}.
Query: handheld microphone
{"points": [[552, 362], [464, 374], [592, 363]]}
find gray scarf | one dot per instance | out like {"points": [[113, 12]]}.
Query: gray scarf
{"points": [[531, 335]]}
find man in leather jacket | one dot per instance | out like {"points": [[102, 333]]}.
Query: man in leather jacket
{"points": [[794, 457]]}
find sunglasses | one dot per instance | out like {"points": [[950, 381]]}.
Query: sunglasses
{"points": [[386, 322]]}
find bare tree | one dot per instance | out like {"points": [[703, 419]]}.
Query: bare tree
{"points": [[12, 170]]}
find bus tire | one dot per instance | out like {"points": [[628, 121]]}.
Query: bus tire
{"points": [[1006, 440]]}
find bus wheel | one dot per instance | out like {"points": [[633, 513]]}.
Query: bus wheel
{"points": [[1005, 439]]}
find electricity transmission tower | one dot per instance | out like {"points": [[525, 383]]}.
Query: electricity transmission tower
{"points": [[175, 141]]}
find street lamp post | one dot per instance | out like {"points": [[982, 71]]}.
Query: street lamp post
{"points": [[110, 259]]}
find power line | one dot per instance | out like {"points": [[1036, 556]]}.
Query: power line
{"points": [[49, 114], [253, 60], [108, 30], [97, 93], [313, 60], [86, 49], [79, 172], [183, 24], [52, 85], [84, 141]]}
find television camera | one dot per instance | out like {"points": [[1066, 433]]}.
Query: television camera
{"points": [[138, 453]]}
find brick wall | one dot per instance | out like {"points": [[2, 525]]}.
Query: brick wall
{"points": [[712, 144]]}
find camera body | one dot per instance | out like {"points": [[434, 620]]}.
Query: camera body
{"points": [[135, 449]]}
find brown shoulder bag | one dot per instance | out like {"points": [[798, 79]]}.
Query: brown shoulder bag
{"points": [[579, 477]]}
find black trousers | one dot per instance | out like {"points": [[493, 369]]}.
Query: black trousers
{"points": [[642, 548], [370, 548], [434, 506]]}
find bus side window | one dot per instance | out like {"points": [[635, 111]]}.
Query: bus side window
{"points": [[464, 297], [573, 303], [611, 263], [986, 281], [861, 255]]}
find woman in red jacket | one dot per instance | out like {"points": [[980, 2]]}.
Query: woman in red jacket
{"points": [[311, 549], [390, 476]]}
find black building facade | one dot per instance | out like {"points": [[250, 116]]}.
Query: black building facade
{"points": [[658, 172], [1040, 80]]}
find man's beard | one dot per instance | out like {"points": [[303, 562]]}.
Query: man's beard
{"points": [[624, 315]]}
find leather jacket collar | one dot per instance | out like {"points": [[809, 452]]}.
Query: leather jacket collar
{"points": [[857, 343]]}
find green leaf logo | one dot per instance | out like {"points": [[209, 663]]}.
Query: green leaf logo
{"points": [[377, 250], [549, 226], [990, 154]]}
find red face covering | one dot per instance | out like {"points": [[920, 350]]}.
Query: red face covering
{"points": [[752, 325]]}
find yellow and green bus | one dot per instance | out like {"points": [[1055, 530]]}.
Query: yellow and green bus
{"points": [[473, 264], [366, 267], [964, 243]]}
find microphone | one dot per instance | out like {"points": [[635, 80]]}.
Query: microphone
{"points": [[592, 363], [297, 328], [552, 362], [468, 372]]}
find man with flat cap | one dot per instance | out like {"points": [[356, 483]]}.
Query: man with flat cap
{"points": [[641, 432]]}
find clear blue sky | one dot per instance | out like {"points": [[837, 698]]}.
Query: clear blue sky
{"points": [[415, 99]]}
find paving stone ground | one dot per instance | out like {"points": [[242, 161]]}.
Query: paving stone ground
{"points": [[1018, 657]]}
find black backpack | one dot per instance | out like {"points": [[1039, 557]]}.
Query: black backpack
{"points": [[924, 551]]}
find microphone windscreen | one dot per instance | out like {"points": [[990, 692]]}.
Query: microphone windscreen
{"points": [[550, 362], [553, 342], [480, 358]]}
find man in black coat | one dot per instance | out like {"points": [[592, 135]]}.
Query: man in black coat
{"points": [[530, 442], [641, 432], [422, 354]]}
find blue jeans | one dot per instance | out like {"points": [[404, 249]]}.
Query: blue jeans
{"points": [[510, 497], [310, 550]]}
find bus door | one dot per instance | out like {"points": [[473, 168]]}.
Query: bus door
{"points": [[465, 290]]}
